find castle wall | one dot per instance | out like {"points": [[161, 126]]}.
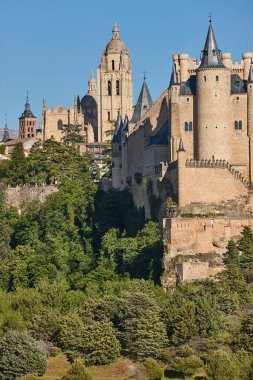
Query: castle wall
{"points": [[208, 185]]}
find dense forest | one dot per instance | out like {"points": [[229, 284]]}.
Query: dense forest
{"points": [[80, 274]]}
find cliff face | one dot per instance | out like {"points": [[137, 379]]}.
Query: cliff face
{"points": [[22, 196]]}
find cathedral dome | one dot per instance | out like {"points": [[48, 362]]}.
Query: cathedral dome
{"points": [[115, 44]]}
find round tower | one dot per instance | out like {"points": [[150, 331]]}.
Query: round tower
{"points": [[213, 103], [250, 121]]}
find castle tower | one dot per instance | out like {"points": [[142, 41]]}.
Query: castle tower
{"points": [[114, 84], [117, 154], [213, 103], [174, 112], [250, 121], [27, 122], [6, 135]]}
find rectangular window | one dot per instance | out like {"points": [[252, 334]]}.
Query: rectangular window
{"points": [[217, 78], [108, 116]]}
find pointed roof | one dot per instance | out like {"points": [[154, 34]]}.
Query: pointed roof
{"points": [[250, 79], [118, 128], [143, 103], [181, 146], [211, 55], [125, 125], [174, 77], [27, 112], [6, 136]]}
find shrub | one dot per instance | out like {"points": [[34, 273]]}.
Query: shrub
{"points": [[153, 369], [222, 366], [77, 372], [186, 365], [29, 376], [20, 355]]}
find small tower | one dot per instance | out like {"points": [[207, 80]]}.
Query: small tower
{"points": [[213, 90], [181, 158], [124, 136], [174, 112], [114, 84], [250, 121], [27, 122], [144, 102], [92, 86], [117, 153]]}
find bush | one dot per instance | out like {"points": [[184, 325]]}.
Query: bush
{"points": [[20, 355], [186, 365], [77, 372], [153, 369], [30, 376], [222, 366]]}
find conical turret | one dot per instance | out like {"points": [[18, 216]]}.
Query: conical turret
{"points": [[143, 103], [211, 55], [250, 79], [174, 76]]}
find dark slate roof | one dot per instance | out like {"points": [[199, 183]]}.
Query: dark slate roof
{"points": [[238, 85], [211, 55], [181, 146], [27, 112], [143, 104], [6, 136], [189, 87], [174, 77], [117, 131], [125, 125], [250, 79], [87, 102], [161, 138]]}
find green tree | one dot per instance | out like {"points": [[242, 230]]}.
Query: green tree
{"points": [[71, 134], [222, 366], [20, 355], [153, 370]]}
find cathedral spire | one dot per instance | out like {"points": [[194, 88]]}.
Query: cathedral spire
{"points": [[211, 55], [250, 79], [6, 136], [115, 32]]}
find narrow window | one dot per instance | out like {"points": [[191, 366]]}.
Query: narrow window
{"points": [[113, 65], [217, 78], [28, 129], [28, 135], [59, 124], [187, 100], [186, 126], [237, 98], [240, 125], [190, 126], [117, 87], [109, 87], [205, 78], [108, 115], [236, 124]]}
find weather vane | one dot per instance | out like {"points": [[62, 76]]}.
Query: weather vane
{"points": [[210, 17], [144, 75]]}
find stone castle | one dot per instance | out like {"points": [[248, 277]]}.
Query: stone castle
{"points": [[188, 158]]}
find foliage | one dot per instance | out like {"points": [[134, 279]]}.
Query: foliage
{"points": [[186, 366], [71, 134], [20, 355], [153, 369], [77, 372], [222, 366]]}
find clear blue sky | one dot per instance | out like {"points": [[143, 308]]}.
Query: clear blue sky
{"points": [[48, 47]]}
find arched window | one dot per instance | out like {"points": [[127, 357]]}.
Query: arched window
{"points": [[117, 87], [217, 78], [236, 124], [190, 126], [109, 87], [59, 124], [113, 65], [186, 127], [240, 125], [205, 78]]}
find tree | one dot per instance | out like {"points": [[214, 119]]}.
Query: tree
{"points": [[186, 366], [153, 369], [222, 366], [77, 372], [71, 134], [20, 355]]}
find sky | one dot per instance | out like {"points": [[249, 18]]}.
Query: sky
{"points": [[48, 47]]}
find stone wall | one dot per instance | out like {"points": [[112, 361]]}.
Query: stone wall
{"points": [[21, 196]]}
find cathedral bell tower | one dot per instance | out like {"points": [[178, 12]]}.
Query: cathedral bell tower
{"points": [[27, 122], [114, 85]]}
